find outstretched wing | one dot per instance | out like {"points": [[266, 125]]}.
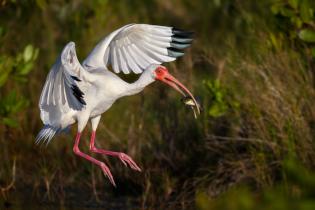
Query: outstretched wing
{"points": [[134, 47], [61, 87]]}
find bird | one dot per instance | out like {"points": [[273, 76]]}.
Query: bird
{"points": [[79, 93]]}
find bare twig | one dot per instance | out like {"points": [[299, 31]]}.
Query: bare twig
{"points": [[11, 184], [241, 139]]}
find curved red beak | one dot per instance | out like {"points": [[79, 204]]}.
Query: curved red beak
{"points": [[174, 83]]}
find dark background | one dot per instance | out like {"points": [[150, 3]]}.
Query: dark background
{"points": [[252, 67]]}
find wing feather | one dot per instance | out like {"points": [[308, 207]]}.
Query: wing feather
{"points": [[131, 61], [122, 59], [134, 47], [114, 60], [61, 91], [134, 51]]}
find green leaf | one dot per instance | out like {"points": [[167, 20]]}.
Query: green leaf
{"points": [[12, 103], [10, 122], [294, 3], [297, 21], [28, 53], [306, 11], [287, 12], [26, 69], [35, 55], [19, 58], [217, 110], [313, 52], [275, 9], [19, 105], [274, 41], [217, 3], [307, 35], [3, 78], [42, 4], [6, 66]]}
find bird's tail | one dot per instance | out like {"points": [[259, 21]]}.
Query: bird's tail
{"points": [[46, 134]]}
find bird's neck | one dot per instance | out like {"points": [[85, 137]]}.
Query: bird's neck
{"points": [[136, 87]]}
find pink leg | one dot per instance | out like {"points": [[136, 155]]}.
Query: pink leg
{"points": [[122, 156], [104, 168]]}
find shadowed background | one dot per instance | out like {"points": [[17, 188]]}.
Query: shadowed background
{"points": [[252, 67]]}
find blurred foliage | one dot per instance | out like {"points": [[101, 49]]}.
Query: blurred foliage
{"points": [[251, 64], [297, 192], [14, 68], [297, 19], [220, 102]]}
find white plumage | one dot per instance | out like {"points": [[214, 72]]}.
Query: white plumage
{"points": [[76, 93], [134, 47]]}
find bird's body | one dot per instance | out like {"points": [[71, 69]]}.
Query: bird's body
{"points": [[99, 96], [75, 93]]}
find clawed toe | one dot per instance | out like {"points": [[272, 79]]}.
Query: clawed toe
{"points": [[125, 159], [108, 174]]}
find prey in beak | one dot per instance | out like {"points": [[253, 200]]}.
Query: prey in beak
{"points": [[188, 101], [162, 74]]}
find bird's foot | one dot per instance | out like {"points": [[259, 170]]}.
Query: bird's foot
{"points": [[107, 173], [126, 160]]}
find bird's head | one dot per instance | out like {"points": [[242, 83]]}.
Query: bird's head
{"points": [[160, 73]]}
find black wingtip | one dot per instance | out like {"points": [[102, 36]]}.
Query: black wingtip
{"points": [[78, 94], [179, 39], [182, 33], [179, 45], [174, 49], [181, 36], [174, 52]]}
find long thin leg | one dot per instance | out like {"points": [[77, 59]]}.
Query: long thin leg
{"points": [[125, 159], [102, 165]]}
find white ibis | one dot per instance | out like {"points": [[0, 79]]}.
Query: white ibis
{"points": [[79, 93]]}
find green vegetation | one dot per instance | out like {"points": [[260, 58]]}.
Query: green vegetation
{"points": [[252, 65], [298, 193], [15, 68]]}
